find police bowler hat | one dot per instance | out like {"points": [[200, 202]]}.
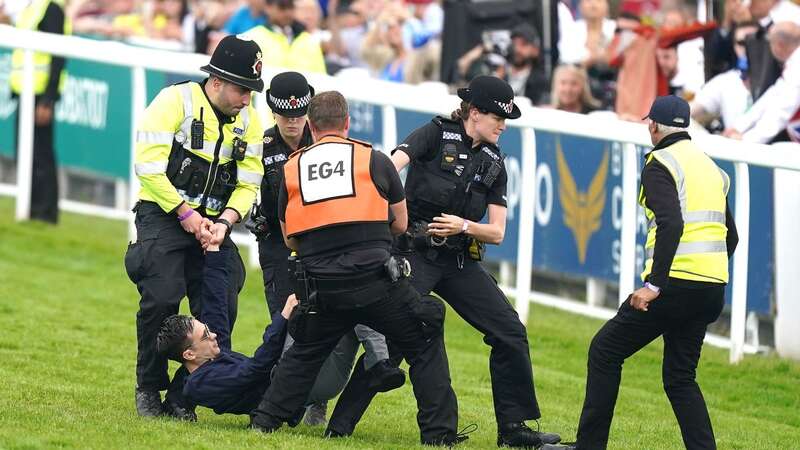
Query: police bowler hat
{"points": [[289, 94], [669, 110], [491, 94], [237, 60]]}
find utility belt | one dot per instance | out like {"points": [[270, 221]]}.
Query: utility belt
{"points": [[417, 238], [190, 173], [308, 287]]}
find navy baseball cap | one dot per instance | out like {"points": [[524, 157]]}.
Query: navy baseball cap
{"points": [[669, 110]]}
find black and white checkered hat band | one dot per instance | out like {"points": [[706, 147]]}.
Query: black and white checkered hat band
{"points": [[290, 103], [507, 107]]}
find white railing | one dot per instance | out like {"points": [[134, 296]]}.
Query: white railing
{"points": [[391, 96]]}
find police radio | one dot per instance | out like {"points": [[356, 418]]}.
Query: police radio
{"points": [[197, 131]]}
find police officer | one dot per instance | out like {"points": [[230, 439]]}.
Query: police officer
{"points": [[455, 174], [335, 205], [198, 155], [288, 97], [48, 82], [690, 238]]}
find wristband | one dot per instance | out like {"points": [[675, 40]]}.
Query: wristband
{"points": [[652, 287], [465, 226], [185, 215]]}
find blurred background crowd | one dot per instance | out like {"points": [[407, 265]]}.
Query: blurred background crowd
{"points": [[736, 61]]}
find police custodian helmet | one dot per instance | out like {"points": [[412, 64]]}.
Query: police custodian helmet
{"points": [[239, 61], [289, 94], [491, 94]]}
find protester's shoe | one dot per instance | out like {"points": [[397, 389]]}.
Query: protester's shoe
{"points": [[384, 377], [148, 403], [265, 423], [519, 435], [565, 446], [174, 410], [333, 434], [450, 440], [316, 414]]}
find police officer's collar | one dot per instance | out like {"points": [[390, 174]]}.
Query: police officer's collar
{"points": [[273, 137], [221, 117], [670, 139]]}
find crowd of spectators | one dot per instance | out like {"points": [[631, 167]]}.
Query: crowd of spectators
{"points": [[614, 55]]}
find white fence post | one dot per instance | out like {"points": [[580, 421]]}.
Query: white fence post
{"points": [[25, 140], [527, 222], [138, 105], [627, 259], [740, 260], [389, 128]]}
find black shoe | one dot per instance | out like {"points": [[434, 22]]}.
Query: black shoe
{"points": [[296, 418], [450, 440], [333, 434], [265, 423], [567, 446], [148, 403], [519, 435], [174, 410], [384, 377]]}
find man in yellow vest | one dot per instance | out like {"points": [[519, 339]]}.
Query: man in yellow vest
{"points": [[691, 236], [285, 41], [198, 158], [48, 80]]}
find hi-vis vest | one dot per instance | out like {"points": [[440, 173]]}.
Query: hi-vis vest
{"points": [[702, 189], [166, 123], [329, 184], [29, 19], [302, 54]]}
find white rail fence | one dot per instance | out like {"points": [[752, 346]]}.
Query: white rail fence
{"points": [[390, 96]]}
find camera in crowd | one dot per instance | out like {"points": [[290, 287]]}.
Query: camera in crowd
{"points": [[497, 49]]}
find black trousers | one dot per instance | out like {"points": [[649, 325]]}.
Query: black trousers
{"points": [[272, 256], [44, 180], [166, 264], [389, 311], [680, 315], [474, 295]]}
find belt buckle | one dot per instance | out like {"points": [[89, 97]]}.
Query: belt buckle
{"points": [[438, 241]]}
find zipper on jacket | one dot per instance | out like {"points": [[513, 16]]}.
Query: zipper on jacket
{"points": [[214, 167]]}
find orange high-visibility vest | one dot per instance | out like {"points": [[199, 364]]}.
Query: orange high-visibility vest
{"points": [[329, 184]]}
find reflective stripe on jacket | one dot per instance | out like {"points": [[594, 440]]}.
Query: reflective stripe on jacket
{"points": [[702, 190], [168, 119]]}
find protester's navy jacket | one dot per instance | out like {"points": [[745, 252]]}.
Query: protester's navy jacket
{"points": [[231, 383]]}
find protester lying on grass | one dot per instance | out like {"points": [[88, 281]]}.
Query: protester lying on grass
{"points": [[226, 381]]}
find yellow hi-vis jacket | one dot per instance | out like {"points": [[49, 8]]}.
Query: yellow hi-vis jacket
{"points": [[29, 19], [303, 54], [169, 118], [702, 190]]}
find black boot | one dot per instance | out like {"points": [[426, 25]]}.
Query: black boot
{"points": [[451, 439], [519, 435], [175, 410], [265, 423], [568, 446], [148, 403], [384, 377]]}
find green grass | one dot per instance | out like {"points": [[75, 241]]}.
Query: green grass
{"points": [[67, 355]]}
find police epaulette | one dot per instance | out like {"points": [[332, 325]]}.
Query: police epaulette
{"points": [[441, 121], [269, 135]]}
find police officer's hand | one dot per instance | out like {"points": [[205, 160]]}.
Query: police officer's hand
{"points": [[192, 224], [642, 297], [291, 302], [446, 225], [218, 233], [206, 236]]}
